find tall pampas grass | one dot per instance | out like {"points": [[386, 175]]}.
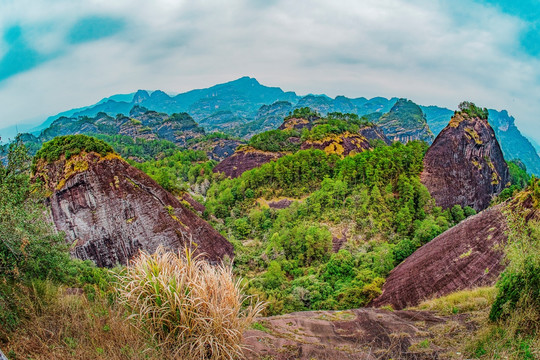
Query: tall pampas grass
{"points": [[190, 308]]}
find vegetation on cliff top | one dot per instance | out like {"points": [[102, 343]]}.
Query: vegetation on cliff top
{"points": [[70, 145], [472, 110]]}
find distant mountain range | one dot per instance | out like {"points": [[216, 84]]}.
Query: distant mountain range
{"points": [[244, 107]]}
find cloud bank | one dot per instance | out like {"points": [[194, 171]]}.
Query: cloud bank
{"points": [[72, 54]]}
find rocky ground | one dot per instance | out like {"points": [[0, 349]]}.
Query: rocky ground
{"points": [[366, 334]]}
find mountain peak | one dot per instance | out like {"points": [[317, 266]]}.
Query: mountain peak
{"points": [[465, 164], [140, 96]]}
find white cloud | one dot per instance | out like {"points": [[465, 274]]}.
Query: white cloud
{"points": [[433, 52]]}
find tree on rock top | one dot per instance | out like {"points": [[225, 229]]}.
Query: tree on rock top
{"points": [[472, 110], [71, 145]]}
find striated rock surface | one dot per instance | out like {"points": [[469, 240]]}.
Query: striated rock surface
{"points": [[348, 143], [367, 334], [405, 122], [465, 164], [109, 210], [469, 255], [245, 159], [466, 256]]}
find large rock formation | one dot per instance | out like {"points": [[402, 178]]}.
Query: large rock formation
{"points": [[465, 164], [348, 143], [405, 122], [109, 210], [244, 159], [466, 256]]}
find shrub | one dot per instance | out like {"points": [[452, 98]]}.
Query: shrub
{"points": [[189, 307], [70, 145]]}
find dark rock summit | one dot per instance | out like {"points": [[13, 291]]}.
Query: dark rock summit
{"points": [[465, 164], [109, 211], [244, 159]]}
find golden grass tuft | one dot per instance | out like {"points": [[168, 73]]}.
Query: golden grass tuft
{"points": [[190, 308], [462, 301]]}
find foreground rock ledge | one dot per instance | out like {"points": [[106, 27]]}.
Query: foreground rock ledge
{"points": [[352, 334]]}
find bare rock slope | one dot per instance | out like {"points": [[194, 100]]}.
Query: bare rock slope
{"points": [[367, 334], [348, 143], [245, 159], [465, 164], [110, 210], [466, 256]]}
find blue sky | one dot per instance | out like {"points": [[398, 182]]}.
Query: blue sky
{"points": [[61, 54]]}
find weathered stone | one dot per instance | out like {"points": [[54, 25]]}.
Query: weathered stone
{"points": [[465, 164], [466, 256], [245, 159], [110, 210]]}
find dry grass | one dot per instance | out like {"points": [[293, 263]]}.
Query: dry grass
{"points": [[71, 327], [189, 307], [478, 299], [515, 338]]}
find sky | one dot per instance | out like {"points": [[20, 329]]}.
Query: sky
{"points": [[57, 55]]}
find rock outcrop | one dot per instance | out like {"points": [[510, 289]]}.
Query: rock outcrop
{"points": [[405, 122], [109, 211], [362, 334], [466, 256], [348, 143], [465, 164], [244, 159]]}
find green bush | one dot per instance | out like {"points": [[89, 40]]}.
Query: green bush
{"points": [[70, 145]]}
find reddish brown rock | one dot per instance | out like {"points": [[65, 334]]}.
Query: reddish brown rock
{"points": [[465, 164], [110, 210], [348, 143], [245, 159], [466, 256], [298, 123], [366, 334]]}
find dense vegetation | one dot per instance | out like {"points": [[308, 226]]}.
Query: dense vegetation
{"points": [[335, 123], [472, 110], [374, 199], [32, 254], [71, 145], [276, 140], [138, 148], [519, 179], [180, 170], [303, 113]]}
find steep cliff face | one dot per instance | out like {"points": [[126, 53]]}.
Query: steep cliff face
{"points": [[348, 143], [109, 210], [465, 256], [405, 122], [465, 164], [245, 159]]}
